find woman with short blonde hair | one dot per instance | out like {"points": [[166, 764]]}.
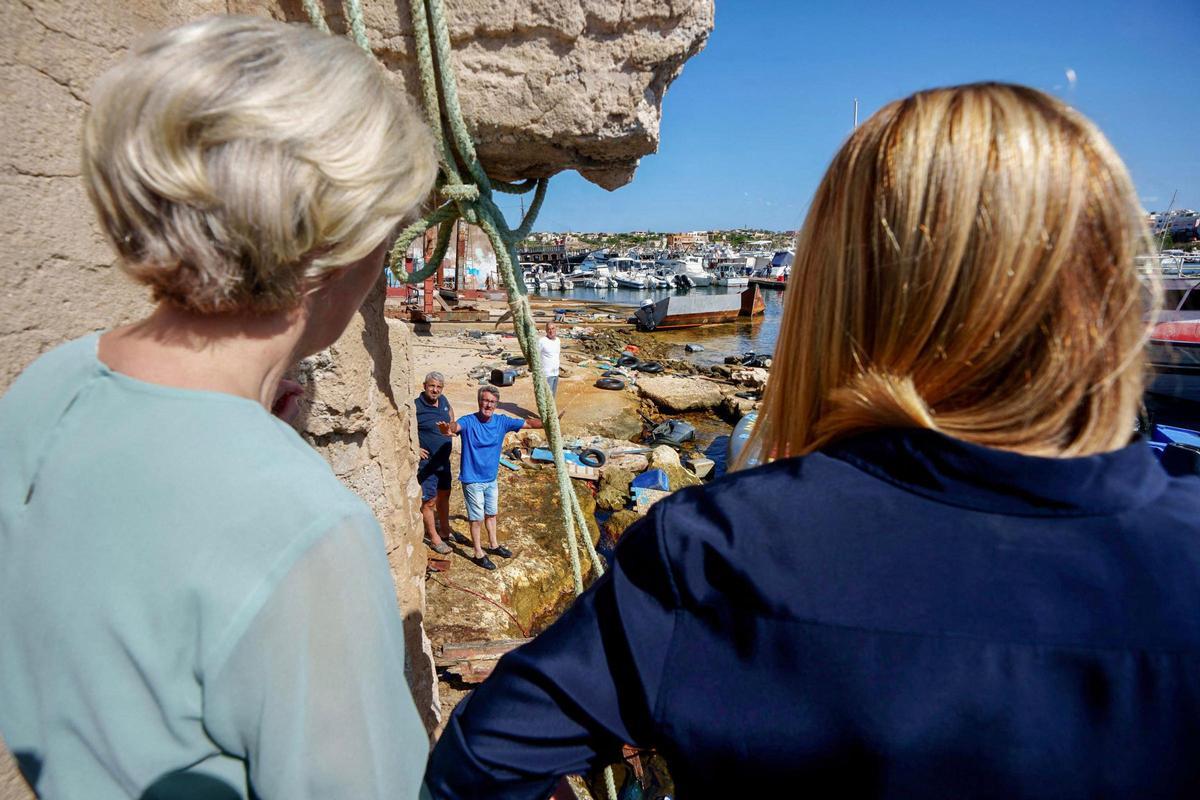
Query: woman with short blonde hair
{"points": [[192, 605], [959, 575]]}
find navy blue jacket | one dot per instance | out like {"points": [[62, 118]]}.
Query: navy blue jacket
{"points": [[900, 615]]}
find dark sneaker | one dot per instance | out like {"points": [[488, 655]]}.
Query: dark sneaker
{"points": [[501, 551], [484, 562]]}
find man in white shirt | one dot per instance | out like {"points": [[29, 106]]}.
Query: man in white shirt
{"points": [[549, 347]]}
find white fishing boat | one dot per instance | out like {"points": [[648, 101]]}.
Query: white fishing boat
{"points": [[635, 280], [731, 274], [687, 272]]}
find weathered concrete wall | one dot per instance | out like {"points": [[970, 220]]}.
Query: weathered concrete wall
{"points": [[549, 85], [546, 85]]}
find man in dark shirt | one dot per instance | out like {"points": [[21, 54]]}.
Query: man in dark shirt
{"points": [[433, 472]]}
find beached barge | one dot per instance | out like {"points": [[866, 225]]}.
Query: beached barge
{"points": [[690, 310]]}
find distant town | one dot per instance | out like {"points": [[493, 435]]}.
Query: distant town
{"points": [[1177, 228], [1180, 227], [737, 238]]}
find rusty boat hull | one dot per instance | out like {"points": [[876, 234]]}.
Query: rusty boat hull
{"points": [[693, 310]]}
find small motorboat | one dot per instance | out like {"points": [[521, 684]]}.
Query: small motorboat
{"points": [[634, 280]]}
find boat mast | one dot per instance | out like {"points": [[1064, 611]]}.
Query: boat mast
{"points": [[1168, 215]]}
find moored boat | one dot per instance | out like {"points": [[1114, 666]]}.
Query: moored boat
{"points": [[731, 275], [635, 281], [774, 278], [690, 310], [686, 272], [1174, 355]]}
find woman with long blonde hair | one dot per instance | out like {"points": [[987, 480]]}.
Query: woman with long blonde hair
{"points": [[959, 575]]}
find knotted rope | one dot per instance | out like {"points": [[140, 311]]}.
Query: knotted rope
{"points": [[470, 198]]}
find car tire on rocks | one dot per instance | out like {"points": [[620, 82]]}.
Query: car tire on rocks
{"points": [[517, 361], [627, 361], [610, 383], [592, 457], [650, 367]]}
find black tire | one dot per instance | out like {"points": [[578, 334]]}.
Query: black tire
{"points": [[592, 458], [650, 366], [610, 383], [517, 361], [627, 361]]}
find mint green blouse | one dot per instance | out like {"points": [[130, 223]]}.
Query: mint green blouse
{"points": [[191, 604]]}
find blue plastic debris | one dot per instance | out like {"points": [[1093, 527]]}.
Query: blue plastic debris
{"points": [[652, 479]]}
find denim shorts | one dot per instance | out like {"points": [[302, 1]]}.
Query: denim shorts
{"points": [[433, 480], [552, 380], [482, 500]]}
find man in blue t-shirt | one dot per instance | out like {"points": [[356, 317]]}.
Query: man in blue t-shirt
{"points": [[433, 471], [482, 439]]}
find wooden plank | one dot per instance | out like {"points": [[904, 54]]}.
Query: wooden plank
{"points": [[583, 473], [457, 651]]}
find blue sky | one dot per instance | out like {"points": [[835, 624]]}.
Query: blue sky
{"points": [[751, 124]]}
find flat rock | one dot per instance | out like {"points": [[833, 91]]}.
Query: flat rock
{"points": [[733, 408], [678, 394], [662, 457], [754, 377]]}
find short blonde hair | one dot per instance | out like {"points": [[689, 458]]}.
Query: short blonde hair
{"points": [[235, 161], [967, 266]]}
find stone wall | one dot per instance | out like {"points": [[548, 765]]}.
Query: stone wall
{"points": [[546, 85]]}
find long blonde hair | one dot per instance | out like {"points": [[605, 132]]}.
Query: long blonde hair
{"points": [[967, 266]]}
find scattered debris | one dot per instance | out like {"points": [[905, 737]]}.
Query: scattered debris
{"points": [[644, 498], [700, 466]]}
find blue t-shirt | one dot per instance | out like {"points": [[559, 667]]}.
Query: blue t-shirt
{"points": [[481, 443]]}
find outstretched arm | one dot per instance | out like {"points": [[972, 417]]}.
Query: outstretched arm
{"points": [[568, 700], [450, 428], [536, 422]]}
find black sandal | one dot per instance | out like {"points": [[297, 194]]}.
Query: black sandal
{"points": [[499, 550], [484, 562]]}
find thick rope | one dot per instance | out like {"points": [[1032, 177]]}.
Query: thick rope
{"points": [[358, 30], [314, 15], [471, 200]]}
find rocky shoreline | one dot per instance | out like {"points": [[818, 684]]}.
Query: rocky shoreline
{"points": [[466, 605]]}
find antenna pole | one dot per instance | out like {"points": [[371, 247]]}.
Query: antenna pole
{"points": [[856, 113]]}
